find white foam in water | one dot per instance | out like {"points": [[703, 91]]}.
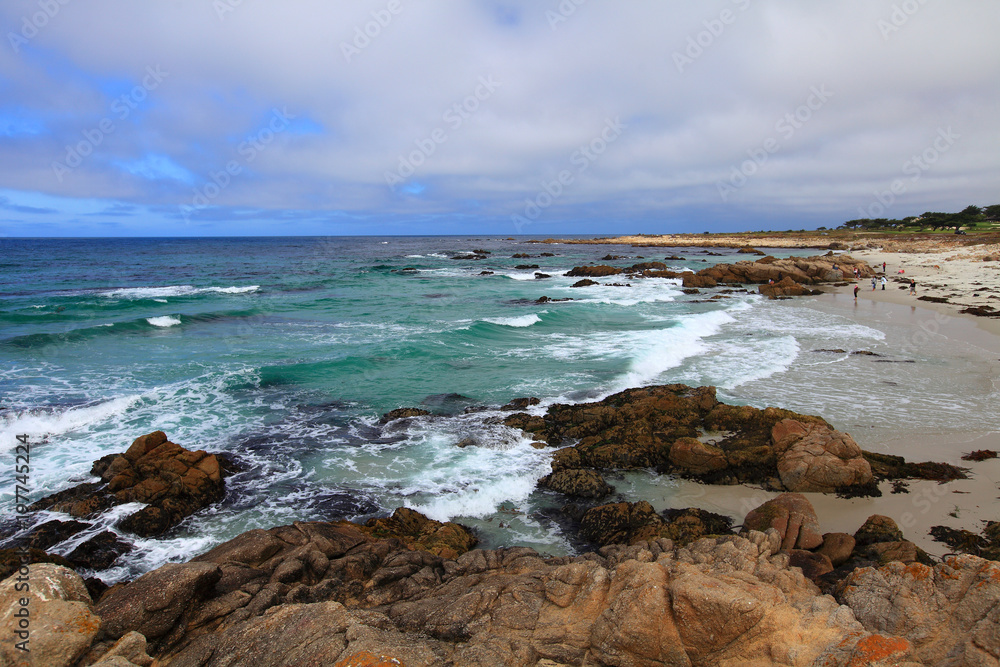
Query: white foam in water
{"points": [[232, 290], [163, 321], [39, 424], [520, 321], [518, 276], [660, 350], [173, 290], [730, 363], [476, 481], [160, 300]]}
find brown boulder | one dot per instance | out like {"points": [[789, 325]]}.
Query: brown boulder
{"points": [[785, 287], [812, 564], [903, 551], [793, 516], [878, 528], [838, 547], [172, 481], [814, 457], [692, 280], [692, 455]]}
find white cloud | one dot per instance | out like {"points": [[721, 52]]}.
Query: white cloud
{"points": [[755, 62]]}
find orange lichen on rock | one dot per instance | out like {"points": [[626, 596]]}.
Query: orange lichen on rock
{"points": [[877, 649], [368, 659]]}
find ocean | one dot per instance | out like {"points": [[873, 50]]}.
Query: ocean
{"points": [[285, 352]]}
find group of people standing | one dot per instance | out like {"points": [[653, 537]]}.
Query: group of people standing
{"points": [[876, 280]]}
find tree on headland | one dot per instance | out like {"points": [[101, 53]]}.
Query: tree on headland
{"points": [[968, 217]]}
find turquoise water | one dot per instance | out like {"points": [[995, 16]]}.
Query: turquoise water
{"points": [[284, 352]]}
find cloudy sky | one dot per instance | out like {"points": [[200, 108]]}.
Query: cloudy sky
{"points": [[237, 117]]}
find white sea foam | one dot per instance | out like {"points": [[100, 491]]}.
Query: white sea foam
{"points": [[519, 321], [661, 350], [232, 290], [163, 321], [160, 300], [39, 424], [174, 290]]}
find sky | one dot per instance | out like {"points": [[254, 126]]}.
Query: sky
{"points": [[542, 117]]}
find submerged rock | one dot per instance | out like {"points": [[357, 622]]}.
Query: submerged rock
{"points": [[402, 413]]}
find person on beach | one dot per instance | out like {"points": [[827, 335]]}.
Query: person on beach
{"points": [[884, 281], [883, 267], [856, 288], [913, 286], [873, 283]]}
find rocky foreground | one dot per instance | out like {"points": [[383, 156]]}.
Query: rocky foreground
{"points": [[345, 594]]}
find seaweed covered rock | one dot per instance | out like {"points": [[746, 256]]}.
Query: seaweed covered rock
{"points": [[402, 413], [577, 482], [630, 523], [416, 531]]}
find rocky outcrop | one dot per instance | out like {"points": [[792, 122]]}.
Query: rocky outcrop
{"points": [[338, 594], [172, 481], [948, 612], [686, 431], [386, 559], [798, 270]]}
